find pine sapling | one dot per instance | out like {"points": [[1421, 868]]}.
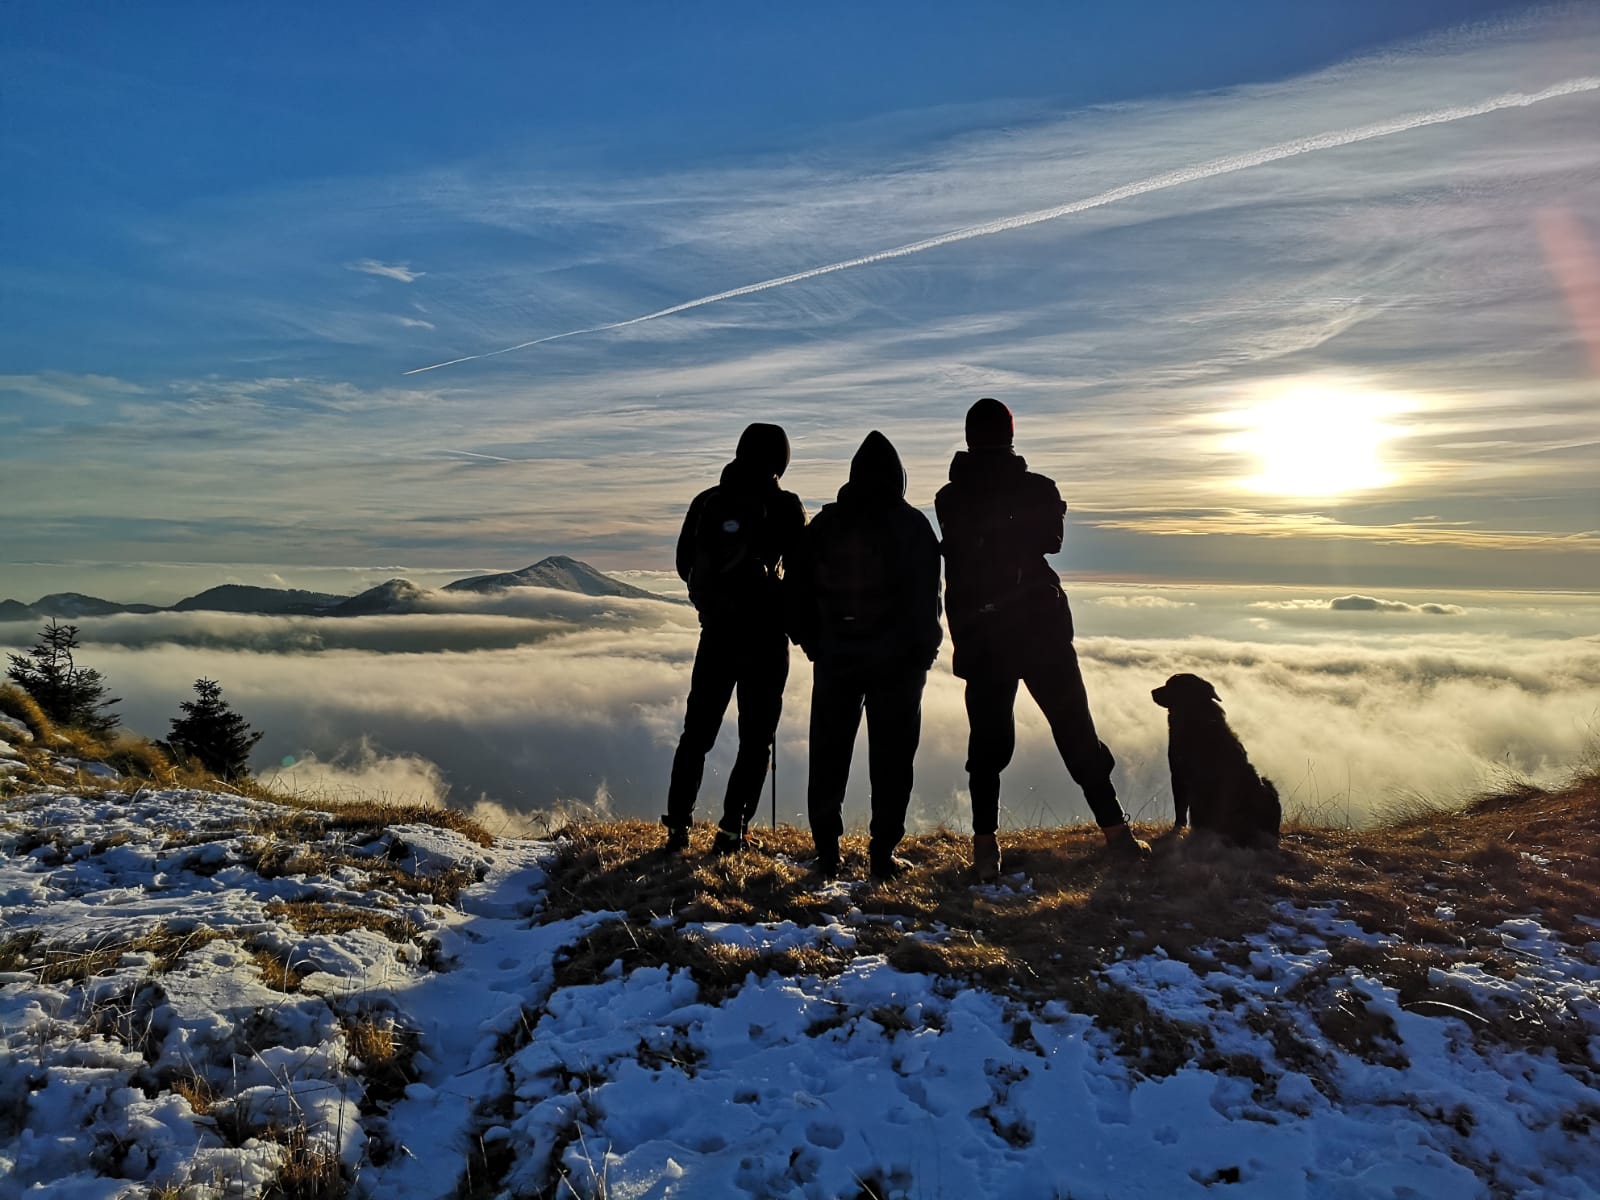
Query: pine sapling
{"points": [[212, 734], [66, 693]]}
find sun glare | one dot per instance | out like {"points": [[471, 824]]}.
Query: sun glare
{"points": [[1318, 441]]}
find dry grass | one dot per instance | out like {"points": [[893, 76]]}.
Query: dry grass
{"points": [[276, 969], [139, 758], [382, 1052], [15, 702], [374, 816], [1518, 852], [15, 950], [316, 916], [69, 962], [197, 1090], [278, 850], [81, 743], [310, 1168], [718, 968]]}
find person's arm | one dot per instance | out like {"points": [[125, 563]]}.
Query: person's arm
{"points": [[691, 521], [792, 529], [1046, 516], [799, 592], [925, 586]]}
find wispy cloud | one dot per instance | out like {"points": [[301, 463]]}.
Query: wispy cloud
{"points": [[73, 391], [400, 272], [1226, 165]]}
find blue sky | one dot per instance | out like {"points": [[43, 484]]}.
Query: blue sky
{"points": [[228, 232]]}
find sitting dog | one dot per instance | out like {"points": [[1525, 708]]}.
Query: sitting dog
{"points": [[1213, 783]]}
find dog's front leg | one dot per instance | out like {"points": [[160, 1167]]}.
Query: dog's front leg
{"points": [[1180, 793]]}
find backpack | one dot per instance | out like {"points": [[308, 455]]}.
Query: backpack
{"points": [[855, 578], [729, 571]]}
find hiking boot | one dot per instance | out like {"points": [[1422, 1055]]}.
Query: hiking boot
{"points": [[826, 863], [677, 839], [887, 867], [1121, 843], [726, 843], [985, 857]]}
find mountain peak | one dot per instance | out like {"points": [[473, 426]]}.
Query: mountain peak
{"points": [[390, 596], [558, 571]]}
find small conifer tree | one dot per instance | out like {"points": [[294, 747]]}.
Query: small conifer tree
{"points": [[66, 693], [212, 734]]}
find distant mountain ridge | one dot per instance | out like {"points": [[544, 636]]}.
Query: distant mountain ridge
{"points": [[558, 572], [243, 598]]}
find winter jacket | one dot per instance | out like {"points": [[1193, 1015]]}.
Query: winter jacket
{"points": [[864, 584], [742, 589], [998, 520]]}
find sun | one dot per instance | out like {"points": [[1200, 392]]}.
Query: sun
{"points": [[1318, 440]]}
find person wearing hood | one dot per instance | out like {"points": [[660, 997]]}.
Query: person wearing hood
{"points": [[1010, 623], [731, 553], [864, 606]]}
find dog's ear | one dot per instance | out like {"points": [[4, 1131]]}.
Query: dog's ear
{"points": [[1190, 688]]}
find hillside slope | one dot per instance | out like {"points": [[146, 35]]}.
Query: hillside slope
{"points": [[201, 992]]}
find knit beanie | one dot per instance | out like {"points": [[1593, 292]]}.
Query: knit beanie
{"points": [[989, 425]]}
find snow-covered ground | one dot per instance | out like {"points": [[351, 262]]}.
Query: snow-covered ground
{"points": [[167, 1064]]}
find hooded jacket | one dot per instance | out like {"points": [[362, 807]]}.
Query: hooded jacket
{"points": [[745, 591], [865, 582], [998, 521]]}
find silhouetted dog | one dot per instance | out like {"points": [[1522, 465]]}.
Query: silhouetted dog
{"points": [[1213, 784]]}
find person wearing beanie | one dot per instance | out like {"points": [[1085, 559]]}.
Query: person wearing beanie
{"points": [[1010, 623], [731, 553], [864, 606]]}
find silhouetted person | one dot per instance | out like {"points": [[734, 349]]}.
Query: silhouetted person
{"points": [[731, 552], [1009, 622], [864, 592]]}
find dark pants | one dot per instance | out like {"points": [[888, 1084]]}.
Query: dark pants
{"points": [[892, 698], [757, 665], [1055, 682]]}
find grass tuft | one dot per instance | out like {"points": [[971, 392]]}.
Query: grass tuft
{"points": [[16, 703], [309, 1170], [276, 969], [317, 916]]}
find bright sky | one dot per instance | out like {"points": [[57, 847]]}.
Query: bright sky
{"points": [[1301, 293]]}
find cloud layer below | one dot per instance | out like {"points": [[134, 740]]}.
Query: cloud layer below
{"points": [[567, 700]]}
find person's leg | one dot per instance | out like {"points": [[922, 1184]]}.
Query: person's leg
{"points": [[991, 740], [710, 689], [1056, 683], [762, 674], [894, 729], [836, 703]]}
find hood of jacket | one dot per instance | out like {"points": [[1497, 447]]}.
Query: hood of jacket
{"points": [[763, 450], [876, 473], [740, 476], [977, 466]]}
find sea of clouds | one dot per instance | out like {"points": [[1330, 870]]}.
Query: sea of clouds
{"points": [[537, 701]]}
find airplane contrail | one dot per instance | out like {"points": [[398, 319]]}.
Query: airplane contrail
{"points": [[1155, 183]]}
